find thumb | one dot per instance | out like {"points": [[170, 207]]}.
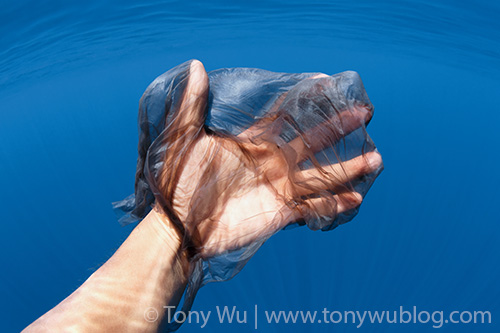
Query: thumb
{"points": [[191, 111], [183, 126]]}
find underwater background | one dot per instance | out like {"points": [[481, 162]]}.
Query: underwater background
{"points": [[428, 232]]}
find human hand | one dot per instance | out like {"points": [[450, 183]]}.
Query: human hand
{"points": [[229, 191], [219, 193]]}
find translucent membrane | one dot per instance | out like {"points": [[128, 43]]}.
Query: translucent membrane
{"points": [[234, 158]]}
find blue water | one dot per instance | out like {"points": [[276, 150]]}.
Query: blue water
{"points": [[71, 75]]}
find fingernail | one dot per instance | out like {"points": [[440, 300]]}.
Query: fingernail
{"points": [[374, 161], [356, 198]]}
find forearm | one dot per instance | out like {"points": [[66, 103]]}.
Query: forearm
{"points": [[146, 272]]}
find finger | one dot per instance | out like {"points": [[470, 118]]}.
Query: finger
{"points": [[192, 107], [332, 176], [183, 128], [317, 76], [335, 126], [321, 212], [252, 133], [330, 132]]}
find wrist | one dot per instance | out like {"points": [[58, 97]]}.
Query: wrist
{"points": [[161, 228]]}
